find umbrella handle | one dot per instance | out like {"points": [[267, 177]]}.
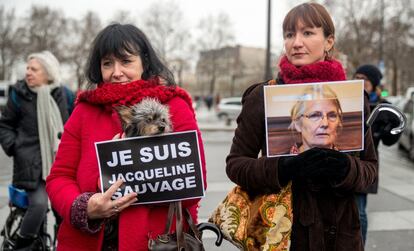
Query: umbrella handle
{"points": [[391, 108]]}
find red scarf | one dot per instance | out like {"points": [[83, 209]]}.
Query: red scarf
{"points": [[113, 94], [328, 70]]}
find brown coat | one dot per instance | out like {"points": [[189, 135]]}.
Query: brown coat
{"points": [[324, 219]]}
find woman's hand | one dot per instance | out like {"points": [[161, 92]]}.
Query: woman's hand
{"points": [[314, 164], [325, 164], [102, 206], [119, 136], [291, 167]]}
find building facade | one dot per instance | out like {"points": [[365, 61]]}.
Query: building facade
{"points": [[228, 71]]}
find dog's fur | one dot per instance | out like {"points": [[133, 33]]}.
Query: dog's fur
{"points": [[148, 117]]}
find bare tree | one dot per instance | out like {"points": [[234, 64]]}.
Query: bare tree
{"points": [[164, 23], [46, 29], [397, 52], [357, 34], [10, 42], [123, 17], [82, 32], [216, 32], [369, 32]]}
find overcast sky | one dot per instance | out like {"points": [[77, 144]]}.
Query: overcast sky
{"points": [[248, 16]]}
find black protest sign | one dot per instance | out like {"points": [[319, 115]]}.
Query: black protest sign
{"points": [[158, 168]]}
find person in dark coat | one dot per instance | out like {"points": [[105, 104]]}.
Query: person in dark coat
{"points": [[324, 181], [29, 127], [381, 130]]}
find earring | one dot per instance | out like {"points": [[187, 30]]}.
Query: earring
{"points": [[327, 54]]}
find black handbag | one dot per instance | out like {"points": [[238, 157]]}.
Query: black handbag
{"points": [[179, 240]]}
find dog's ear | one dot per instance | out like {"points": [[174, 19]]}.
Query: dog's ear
{"points": [[125, 114]]}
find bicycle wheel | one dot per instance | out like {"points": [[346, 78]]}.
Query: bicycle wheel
{"points": [[40, 245], [11, 227], [43, 242]]}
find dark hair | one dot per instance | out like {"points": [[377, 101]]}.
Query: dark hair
{"points": [[372, 72], [312, 15], [118, 39]]}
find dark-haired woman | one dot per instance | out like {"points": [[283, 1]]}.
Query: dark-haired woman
{"points": [[122, 70], [324, 181]]}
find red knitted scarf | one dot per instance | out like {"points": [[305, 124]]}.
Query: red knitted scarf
{"points": [[328, 70], [113, 94]]}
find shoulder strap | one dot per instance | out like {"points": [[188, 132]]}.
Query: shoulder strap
{"points": [[171, 212], [179, 226], [15, 98], [69, 98], [191, 224], [68, 94]]}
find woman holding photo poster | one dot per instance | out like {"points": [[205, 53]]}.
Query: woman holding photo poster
{"points": [[122, 70], [324, 180]]}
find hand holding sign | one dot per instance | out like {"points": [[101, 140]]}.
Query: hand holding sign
{"points": [[119, 136], [102, 206], [159, 168]]}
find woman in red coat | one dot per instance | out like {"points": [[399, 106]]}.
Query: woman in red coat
{"points": [[122, 70]]}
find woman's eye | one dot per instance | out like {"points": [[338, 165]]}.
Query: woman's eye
{"points": [[106, 63], [289, 35], [308, 33], [332, 116], [314, 116], [126, 61]]}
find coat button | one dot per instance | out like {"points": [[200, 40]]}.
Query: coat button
{"points": [[332, 230]]}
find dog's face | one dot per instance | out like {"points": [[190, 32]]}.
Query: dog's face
{"points": [[149, 117]]}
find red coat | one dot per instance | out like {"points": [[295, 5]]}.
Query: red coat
{"points": [[75, 171]]}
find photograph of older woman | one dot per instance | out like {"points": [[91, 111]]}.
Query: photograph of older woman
{"points": [[314, 116], [318, 119]]}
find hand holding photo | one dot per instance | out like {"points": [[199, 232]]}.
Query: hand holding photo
{"points": [[325, 115]]}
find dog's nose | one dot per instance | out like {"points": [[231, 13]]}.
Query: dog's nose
{"points": [[161, 128]]}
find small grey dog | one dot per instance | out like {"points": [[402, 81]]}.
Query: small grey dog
{"points": [[148, 117]]}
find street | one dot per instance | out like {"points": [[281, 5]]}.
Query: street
{"points": [[390, 212]]}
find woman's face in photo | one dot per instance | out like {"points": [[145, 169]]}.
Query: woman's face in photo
{"points": [[121, 70], [306, 45], [319, 124]]}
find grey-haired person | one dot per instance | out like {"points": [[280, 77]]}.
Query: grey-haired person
{"points": [[30, 124]]}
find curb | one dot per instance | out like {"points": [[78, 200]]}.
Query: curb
{"points": [[205, 128]]}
